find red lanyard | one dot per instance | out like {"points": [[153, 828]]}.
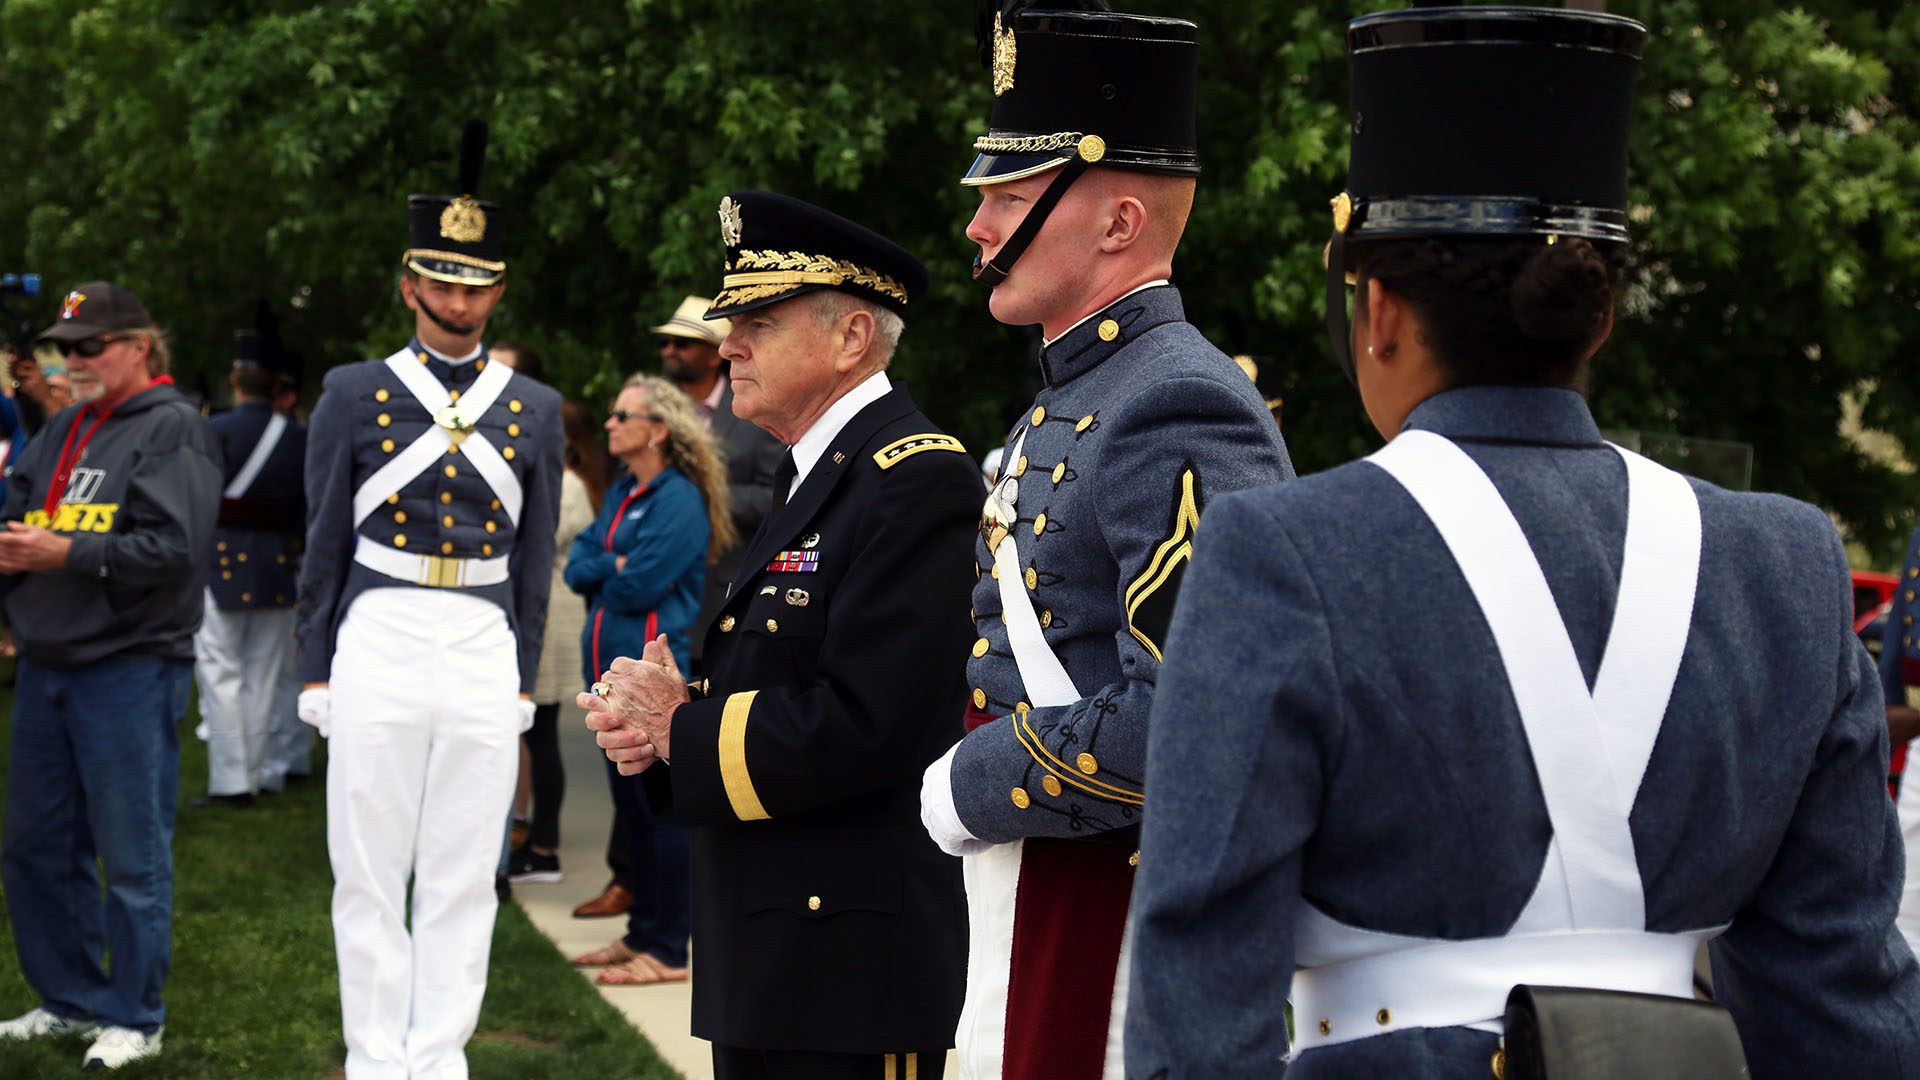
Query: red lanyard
{"points": [[71, 455], [622, 512]]}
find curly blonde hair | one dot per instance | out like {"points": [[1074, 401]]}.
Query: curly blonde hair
{"points": [[691, 449]]}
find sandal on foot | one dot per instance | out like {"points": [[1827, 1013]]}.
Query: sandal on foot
{"points": [[642, 970], [614, 954]]}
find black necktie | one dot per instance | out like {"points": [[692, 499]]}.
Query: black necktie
{"points": [[782, 481]]}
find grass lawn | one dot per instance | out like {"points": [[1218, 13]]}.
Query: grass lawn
{"points": [[252, 991]]}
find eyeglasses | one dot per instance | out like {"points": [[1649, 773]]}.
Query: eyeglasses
{"points": [[89, 348], [678, 342], [623, 415]]}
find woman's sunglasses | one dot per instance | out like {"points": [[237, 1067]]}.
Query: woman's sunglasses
{"points": [[89, 348], [623, 415]]}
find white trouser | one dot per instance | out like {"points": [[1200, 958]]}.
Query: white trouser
{"points": [[240, 658], [424, 752], [1908, 811], [289, 742]]}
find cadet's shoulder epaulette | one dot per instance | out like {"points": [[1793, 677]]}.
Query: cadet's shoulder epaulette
{"points": [[901, 449]]}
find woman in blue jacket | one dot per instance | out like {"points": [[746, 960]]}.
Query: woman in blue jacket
{"points": [[641, 565]]}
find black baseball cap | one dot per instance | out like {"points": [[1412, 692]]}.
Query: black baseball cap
{"points": [[98, 307]]}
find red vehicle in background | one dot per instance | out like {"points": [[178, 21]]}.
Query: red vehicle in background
{"points": [[1872, 597]]}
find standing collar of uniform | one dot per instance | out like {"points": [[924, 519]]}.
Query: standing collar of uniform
{"points": [[479, 351], [1541, 415], [1086, 344], [809, 447]]}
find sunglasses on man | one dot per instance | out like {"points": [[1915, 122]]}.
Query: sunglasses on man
{"points": [[678, 342], [89, 348]]}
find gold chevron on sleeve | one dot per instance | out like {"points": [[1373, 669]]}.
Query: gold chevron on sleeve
{"points": [[1174, 551], [733, 759]]}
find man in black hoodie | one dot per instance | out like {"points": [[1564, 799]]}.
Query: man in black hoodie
{"points": [[107, 518]]}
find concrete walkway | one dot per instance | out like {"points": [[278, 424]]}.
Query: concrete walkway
{"points": [[660, 1012]]}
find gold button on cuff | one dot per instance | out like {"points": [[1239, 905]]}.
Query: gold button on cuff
{"points": [[980, 648], [1085, 423], [450, 472], [1326, 1026], [507, 453], [386, 446], [446, 547], [447, 521], [399, 540], [1383, 1017], [1039, 524], [813, 903], [1051, 785], [399, 517], [1033, 578], [1059, 471], [1109, 329], [493, 526], [1021, 799], [979, 698], [773, 626], [381, 395], [514, 405], [1086, 764], [383, 419], [1039, 415], [726, 624], [513, 431]]}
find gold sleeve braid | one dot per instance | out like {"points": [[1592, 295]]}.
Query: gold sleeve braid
{"points": [[1030, 739], [733, 759]]}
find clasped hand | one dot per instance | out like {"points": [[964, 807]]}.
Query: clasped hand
{"points": [[633, 720]]}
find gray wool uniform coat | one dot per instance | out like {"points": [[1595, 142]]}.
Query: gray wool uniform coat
{"points": [[1334, 727]]}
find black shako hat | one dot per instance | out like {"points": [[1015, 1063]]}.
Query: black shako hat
{"points": [[1076, 89], [1113, 88], [456, 238], [259, 345], [98, 307], [1483, 121], [779, 248]]}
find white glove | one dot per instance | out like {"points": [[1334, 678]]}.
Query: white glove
{"points": [[939, 815], [316, 708], [526, 714]]}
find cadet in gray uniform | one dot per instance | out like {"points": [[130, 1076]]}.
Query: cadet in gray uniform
{"points": [[1504, 708], [245, 643], [434, 480], [1085, 178]]}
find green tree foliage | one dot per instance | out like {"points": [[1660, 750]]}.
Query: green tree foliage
{"points": [[209, 153]]}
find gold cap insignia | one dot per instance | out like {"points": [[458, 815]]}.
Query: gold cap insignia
{"points": [[1342, 211], [463, 222], [1004, 54], [730, 223]]}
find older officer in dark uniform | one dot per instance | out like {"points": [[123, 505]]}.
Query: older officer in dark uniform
{"points": [[1085, 177], [1614, 710], [245, 642], [829, 931], [434, 481]]}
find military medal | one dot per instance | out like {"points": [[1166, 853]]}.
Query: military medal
{"points": [[795, 562]]}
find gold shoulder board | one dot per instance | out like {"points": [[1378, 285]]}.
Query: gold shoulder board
{"points": [[900, 450]]}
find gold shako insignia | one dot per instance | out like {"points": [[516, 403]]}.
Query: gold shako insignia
{"points": [[730, 223], [1004, 54], [463, 222]]}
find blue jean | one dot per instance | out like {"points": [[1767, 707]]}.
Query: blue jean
{"points": [[660, 861], [95, 774]]}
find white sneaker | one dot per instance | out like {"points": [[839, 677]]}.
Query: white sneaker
{"points": [[117, 1045], [41, 1024]]}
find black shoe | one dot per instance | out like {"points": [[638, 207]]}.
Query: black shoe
{"points": [[501, 890], [527, 867], [237, 802]]}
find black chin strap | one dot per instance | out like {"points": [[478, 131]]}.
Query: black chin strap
{"points": [[1337, 335], [995, 271], [453, 328]]}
